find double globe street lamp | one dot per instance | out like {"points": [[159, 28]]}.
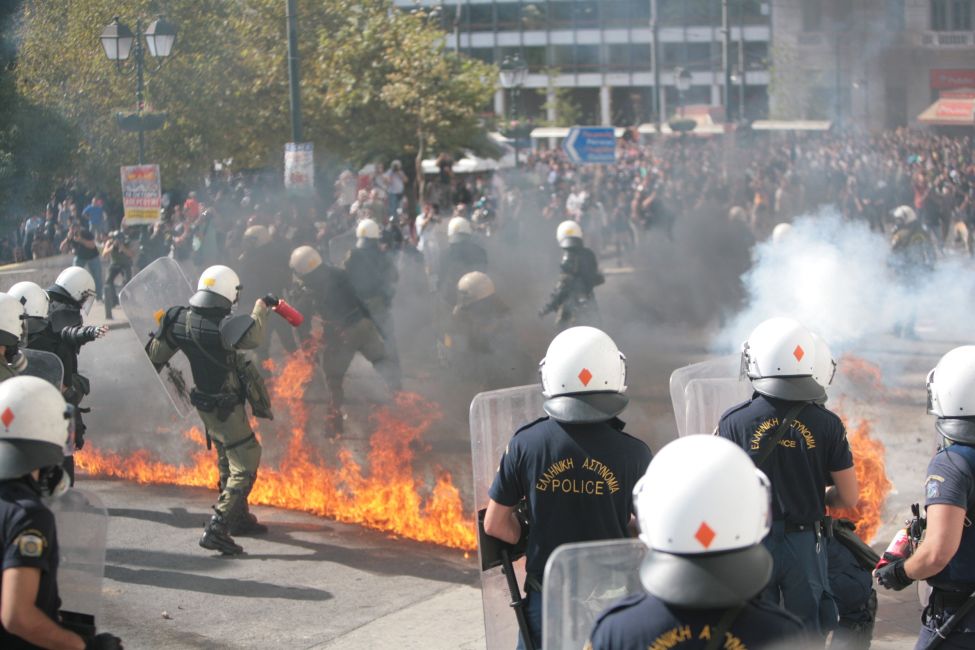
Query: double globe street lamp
{"points": [[512, 74], [119, 42]]}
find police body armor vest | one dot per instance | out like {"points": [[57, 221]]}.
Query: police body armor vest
{"points": [[367, 272], [49, 340], [581, 264], [334, 297], [211, 362], [960, 572]]}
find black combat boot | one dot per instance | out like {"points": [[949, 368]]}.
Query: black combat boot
{"points": [[247, 525], [216, 537]]}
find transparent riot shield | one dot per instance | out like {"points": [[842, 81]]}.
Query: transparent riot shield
{"points": [[82, 529], [144, 300], [45, 365], [581, 580], [494, 417], [716, 380], [339, 247]]}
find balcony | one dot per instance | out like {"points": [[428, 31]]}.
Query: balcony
{"points": [[948, 39]]}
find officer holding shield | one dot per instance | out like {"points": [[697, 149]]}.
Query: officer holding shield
{"points": [[211, 339], [575, 469]]}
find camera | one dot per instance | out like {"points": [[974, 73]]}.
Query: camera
{"points": [[119, 236]]}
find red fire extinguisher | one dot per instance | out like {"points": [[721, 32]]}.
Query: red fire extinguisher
{"points": [[283, 309]]}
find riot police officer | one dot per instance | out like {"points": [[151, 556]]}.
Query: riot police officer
{"points": [[913, 254], [348, 327], [574, 469], [703, 510], [573, 298], [264, 267], [462, 256], [211, 338], [54, 324], [482, 343], [801, 446], [374, 277], [946, 558], [31, 451], [12, 336]]}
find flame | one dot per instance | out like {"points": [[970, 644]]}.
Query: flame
{"points": [[871, 473], [387, 496], [860, 372]]}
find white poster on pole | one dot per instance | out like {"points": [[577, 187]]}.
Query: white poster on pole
{"points": [[141, 194], [299, 166]]}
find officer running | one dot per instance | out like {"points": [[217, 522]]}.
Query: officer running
{"points": [[946, 558], [801, 446], [913, 250], [348, 327], [36, 425], [574, 299], [574, 469], [211, 338], [482, 341], [703, 510]]}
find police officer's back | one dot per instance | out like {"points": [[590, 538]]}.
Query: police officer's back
{"points": [[31, 451], [463, 255], [946, 558], [703, 511], [263, 270], [576, 468], [810, 450], [371, 270]]}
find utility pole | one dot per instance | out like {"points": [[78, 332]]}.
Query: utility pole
{"points": [[294, 79], [655, 60], [726, 57], [741, 61]]}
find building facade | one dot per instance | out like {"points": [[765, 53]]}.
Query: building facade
{"points": [[591, 61], [869, 64]]}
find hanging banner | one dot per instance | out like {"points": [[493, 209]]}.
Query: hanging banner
{"points": [[299, 166], [141, 194]]}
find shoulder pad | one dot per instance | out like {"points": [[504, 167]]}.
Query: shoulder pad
{"points": [[619, 605], [734, 409], [529, 425], [772, 609], [234, 328], [167, 320], [64, 317]]}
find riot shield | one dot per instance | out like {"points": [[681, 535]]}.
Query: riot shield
{"points": [[494, 417], [716, 387], [45, 365], [339, 247], [581, 580], [144, 300], [82, 529]]}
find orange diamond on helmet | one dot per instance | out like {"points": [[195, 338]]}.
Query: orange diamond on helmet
{"points": [[704, 535], [585, 376], [798, 353], [7, 417]]}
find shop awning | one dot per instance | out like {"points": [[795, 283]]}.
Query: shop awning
{"points": [[791, 125], [950, 110]]}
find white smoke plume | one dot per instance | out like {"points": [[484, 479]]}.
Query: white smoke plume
{"points": [[835, 277]]}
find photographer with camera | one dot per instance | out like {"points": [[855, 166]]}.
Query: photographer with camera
{"points": [[120, 250], [81, 242]]}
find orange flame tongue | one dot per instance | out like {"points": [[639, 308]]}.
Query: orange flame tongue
{"points": [[871, 473], [387, 497]]}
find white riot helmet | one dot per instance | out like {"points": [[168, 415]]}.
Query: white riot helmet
{"points": [[951, 395], [781, 232], [304, 260], [257, 236], [34, 428], [36, 304], [458, 228], [569, 234], [13, 321], [472, 287], [366, 230], [77, 284], [780, 358], [583, 376], [704, 508], [905, 214], [218, 287], [824, 366]]}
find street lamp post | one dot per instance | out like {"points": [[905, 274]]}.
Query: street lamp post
{"points": [[118, 42], [682, 79], [512, 76], [738, 79]]}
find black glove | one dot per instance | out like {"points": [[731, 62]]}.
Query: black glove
{"points": [[521, 514], [893, 576], [271, 300], [104, 641]]}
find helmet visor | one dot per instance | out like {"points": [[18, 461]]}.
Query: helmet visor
{"points": [[933, 407]]}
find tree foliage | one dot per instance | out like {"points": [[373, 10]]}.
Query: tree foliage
{"points": [[376, 82]]}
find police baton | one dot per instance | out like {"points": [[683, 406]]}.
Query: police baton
{"points": [[495, 552], [941, 634]]}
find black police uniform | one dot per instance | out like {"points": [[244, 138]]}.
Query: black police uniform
{"points": [[374, 277], [578, 480], [644, 621], [462, 256], [29, 539], [851, 583], [798, 469], [264, 269], [573, 296], [951, 481]]}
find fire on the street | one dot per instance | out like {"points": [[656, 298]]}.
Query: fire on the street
{"points": [[871, 472], [386, 495]]}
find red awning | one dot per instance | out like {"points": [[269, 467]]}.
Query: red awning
{"points": [[950, 110]]}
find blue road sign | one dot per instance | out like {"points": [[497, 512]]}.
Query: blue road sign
{"points": [[591, 145]]}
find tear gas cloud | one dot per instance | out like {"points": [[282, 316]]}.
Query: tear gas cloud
{"points": [[834, 276]]}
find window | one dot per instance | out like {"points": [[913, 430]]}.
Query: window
{"points": [[951, 15], [695, 55], [481, 16], [812, 15], [939, 15], [615, 13], [587, 57], [894, 18], [961, 15], [559, 14], [485, 54], [509, 15], [585, 13]]}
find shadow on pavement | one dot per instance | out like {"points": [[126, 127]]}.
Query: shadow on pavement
{"points": [[215, 586]]}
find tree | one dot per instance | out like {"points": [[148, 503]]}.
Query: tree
{"points": [[376, 82]]}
